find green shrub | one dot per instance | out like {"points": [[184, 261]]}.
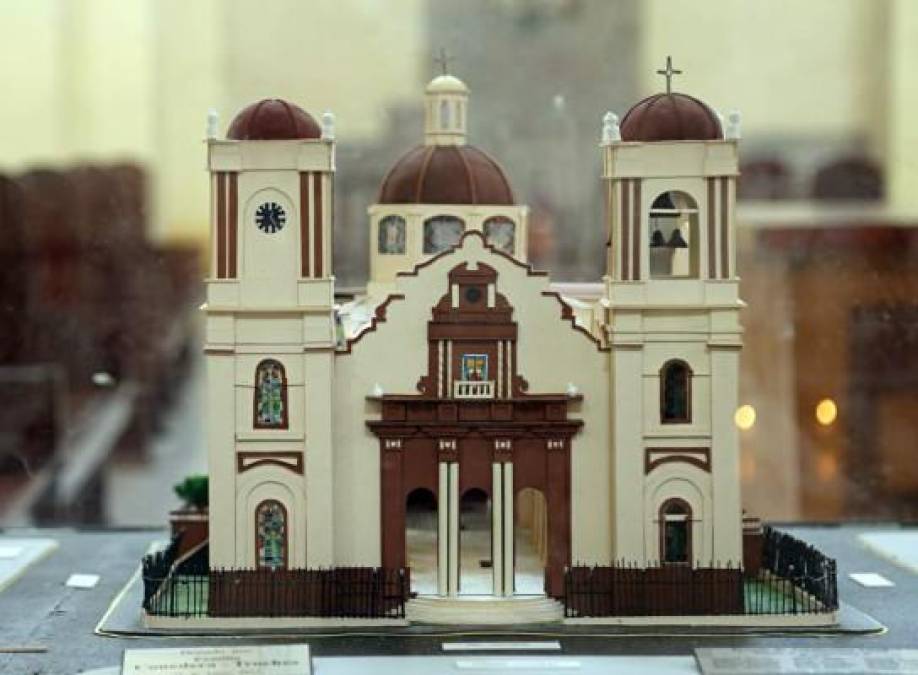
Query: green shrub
{"points": [[193, 491]]}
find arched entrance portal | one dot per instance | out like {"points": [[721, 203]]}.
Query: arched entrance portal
{"points": [[421, 540], [530, 542], [475, 577]]}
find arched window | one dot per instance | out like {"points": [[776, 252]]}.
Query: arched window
{"points": [[675, 393], [391, 235], [500, 232], [270, 395], [674, 236], [675, 532], [444, 114], [441, 233], [271, 535]]}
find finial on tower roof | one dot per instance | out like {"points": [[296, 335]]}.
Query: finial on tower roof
{"points": [[443, 60], [610, 129], [668, 73], [328, 125], [213, 120]]}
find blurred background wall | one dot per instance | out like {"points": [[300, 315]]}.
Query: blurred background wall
{"points": [[828, 189]]}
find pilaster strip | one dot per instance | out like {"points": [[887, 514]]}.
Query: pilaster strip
{"points": [[221, 225], [712, 229], [304, 224], [724, 227], [319, 225], [233, 224], [636, 236], [625, 227]]}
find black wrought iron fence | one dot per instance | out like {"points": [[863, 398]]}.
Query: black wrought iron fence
{"points": [[786, 557], [155, 568], [795, 578], [355, 592]]}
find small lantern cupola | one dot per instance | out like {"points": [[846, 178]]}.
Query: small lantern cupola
{"points": [[446, 109]]}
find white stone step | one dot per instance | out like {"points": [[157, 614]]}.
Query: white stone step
{"points": [[484, 610]]}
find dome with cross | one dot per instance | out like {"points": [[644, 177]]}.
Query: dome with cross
{"points": [[671, 116]]}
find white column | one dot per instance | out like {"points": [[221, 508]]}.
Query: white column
{"points": [[443, 531], [508, 528], [497, 517], [454, 528]]}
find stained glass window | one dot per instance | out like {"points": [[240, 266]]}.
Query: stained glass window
{"points": [[270, 395], [271, 535], [474, 367], [676, 518], [675, 380]]}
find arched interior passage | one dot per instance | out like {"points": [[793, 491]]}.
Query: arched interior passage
{"points": [[475, 577], [421, 540], [530, 543]]}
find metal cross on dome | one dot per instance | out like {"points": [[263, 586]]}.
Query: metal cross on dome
{"points": [[443, 60], [668, 73]]}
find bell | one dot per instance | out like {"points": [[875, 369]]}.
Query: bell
{"points": [[664, 201], [657, 240], [676, 240]]}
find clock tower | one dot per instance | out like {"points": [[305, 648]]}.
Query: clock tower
{"points": [[270, 339]]}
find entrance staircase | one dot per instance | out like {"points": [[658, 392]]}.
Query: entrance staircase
{"points": [[483, 609]]}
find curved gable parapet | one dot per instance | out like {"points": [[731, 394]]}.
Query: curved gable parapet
{"points": [[567, 314], [379, 316], [474, 234]]}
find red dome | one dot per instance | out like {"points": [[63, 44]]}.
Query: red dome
{"points": [[446, 174], [273, 119], [671, 117]]}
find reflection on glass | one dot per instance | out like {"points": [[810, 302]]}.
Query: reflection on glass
{"points": [[442, 232], [500, 232], [392, 235]]}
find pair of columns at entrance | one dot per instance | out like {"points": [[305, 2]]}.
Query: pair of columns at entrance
{"points": [[502, 503]]}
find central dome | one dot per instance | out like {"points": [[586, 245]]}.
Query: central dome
{"points": [[446, 174], [671, 117]]}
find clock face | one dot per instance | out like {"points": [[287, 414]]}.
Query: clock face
{"points": [[270, 217]]}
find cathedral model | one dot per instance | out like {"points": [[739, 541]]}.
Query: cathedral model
{"points": [[465, 419]]}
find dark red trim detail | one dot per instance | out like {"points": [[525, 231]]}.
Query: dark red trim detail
{"points": [[320, 226], [625, 227], [712, 230], [274, 458], [725, 227], [304, 225], [700, 457], [221, 225], [636, 236], [233, 224]]}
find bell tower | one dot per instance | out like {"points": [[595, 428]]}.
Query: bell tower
{"points": [[673, 328], [270, 339]]}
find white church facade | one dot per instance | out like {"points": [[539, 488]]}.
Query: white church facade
{"points": [[535, 428]]}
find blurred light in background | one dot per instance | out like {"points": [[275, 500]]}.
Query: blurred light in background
{"points": [[745, 417], [826, 412]]}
